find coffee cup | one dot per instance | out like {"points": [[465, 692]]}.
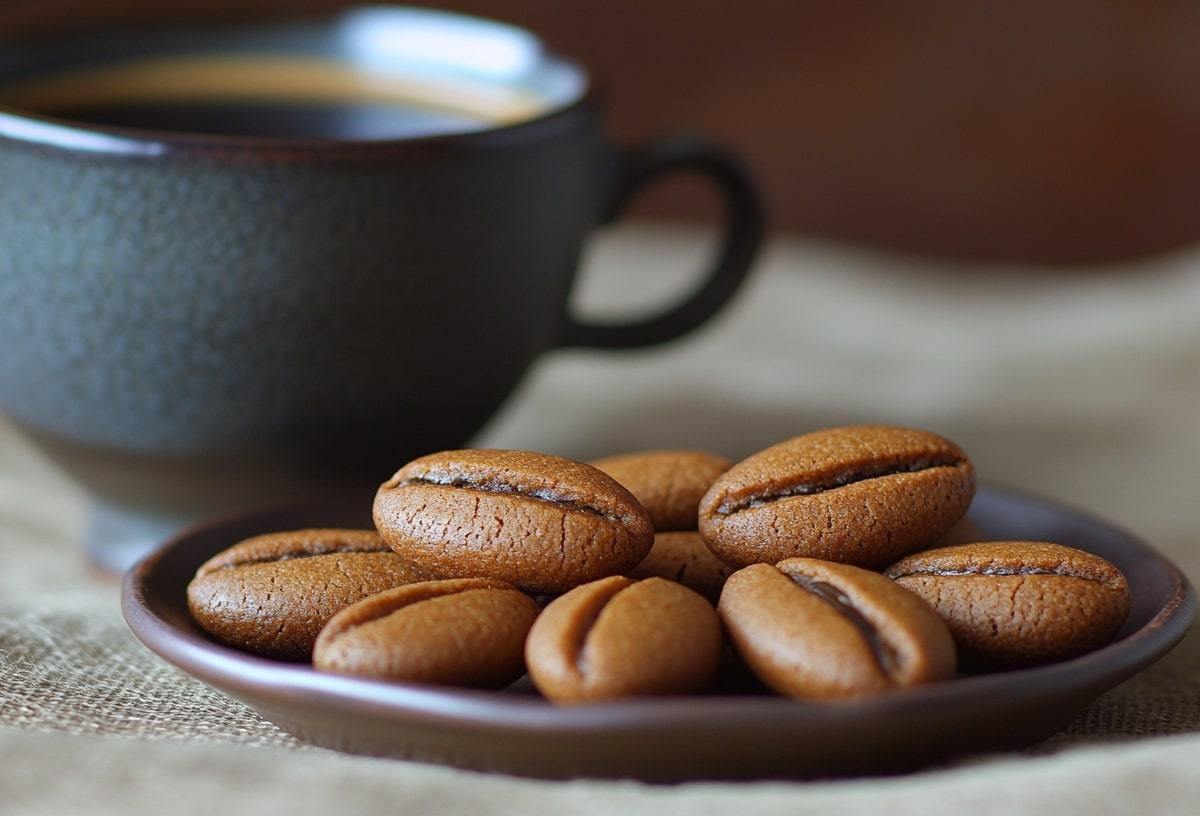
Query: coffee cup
{"points": [[330, 245]]}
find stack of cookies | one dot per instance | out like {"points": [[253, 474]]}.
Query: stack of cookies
{"points": [[639, 574]]}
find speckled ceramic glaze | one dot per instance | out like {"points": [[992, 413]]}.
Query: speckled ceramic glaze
{"points": [[359, 302]]}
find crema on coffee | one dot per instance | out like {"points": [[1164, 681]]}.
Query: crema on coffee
{"points": [[392, 74]]}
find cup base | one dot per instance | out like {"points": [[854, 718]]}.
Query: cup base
{"points": [[117, 537], [138, 502]]}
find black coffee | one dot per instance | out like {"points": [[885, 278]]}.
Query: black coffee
{"points": [[271, 96], [349, 121]]}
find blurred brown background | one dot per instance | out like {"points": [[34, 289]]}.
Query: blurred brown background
{"points": [[1062, 132]]}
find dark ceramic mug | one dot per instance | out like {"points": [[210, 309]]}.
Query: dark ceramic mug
{"points": [[182, 294], [348, 302]]}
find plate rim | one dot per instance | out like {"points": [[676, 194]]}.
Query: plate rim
{"points": [[237, 673]]}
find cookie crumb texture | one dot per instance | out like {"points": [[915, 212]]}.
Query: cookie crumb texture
{"points": [[271, 595], [1011, 604], [860, 495], [685, 559], [543, 523], [668, 483], [459, 632], [822, 631], [617, 638]]}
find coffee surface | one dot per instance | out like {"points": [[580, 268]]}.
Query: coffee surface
{"points": [[274, 96]]}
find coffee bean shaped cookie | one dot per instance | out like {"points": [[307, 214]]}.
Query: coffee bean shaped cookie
{"points": [[616, 638], [685, 559], [1019, 603], [271, 594], [543, 523], [819, 630], [458, 632], [668, 483], [863, 495]]}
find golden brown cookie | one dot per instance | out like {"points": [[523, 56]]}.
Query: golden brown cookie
{"points": [[543, 523], [685, 559], [271, 594], [459, 632], [668, 483], [819, 630], [617, 638], [1019, 603], [862, 495]]}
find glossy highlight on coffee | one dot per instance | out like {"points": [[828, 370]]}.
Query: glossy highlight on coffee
{"points": [[374, 74], [270, 96]]}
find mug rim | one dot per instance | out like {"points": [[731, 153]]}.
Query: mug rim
{"points": [[74, 136], [79, 136]]}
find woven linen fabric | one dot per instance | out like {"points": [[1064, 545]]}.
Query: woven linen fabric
{"points": [[1081, 388], [83, 673]]}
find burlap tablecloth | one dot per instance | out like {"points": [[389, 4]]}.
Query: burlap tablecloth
{"points": [[1081, 387]]}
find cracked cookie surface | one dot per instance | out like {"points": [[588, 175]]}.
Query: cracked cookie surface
{"points": [[668, 483], [1019, 603], [543, 523], [272, 594], [684, 558], [862, 495]]}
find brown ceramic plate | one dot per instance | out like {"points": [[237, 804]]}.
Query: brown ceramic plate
{"points": [[728, 735]]}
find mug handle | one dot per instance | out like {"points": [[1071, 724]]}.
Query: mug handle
{"points": [[744, 228]]}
